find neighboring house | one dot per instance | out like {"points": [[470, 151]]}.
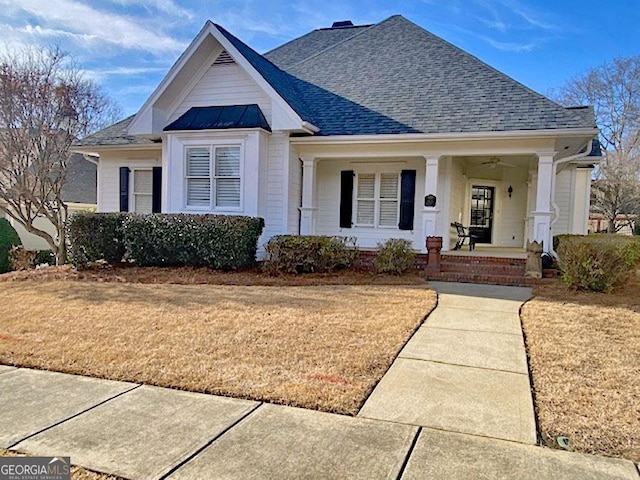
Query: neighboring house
{"points": [[373, 131], [625, 223], [79, 193]]}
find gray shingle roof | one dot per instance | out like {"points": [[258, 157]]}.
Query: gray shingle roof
{"points": [[390, 78], [310, 44], [115, 135], [422, 83]]}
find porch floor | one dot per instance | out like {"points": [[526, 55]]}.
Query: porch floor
{"points": [[486, 251]]}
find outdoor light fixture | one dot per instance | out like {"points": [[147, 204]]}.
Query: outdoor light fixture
{"points": [[510, 190]]}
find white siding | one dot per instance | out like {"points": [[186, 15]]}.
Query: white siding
{"points": [[109, 175], [457, 198], [564, 199], [512, 221], [275, 217], [295, 193], [582, 197], [225, 85], [328, 201]]}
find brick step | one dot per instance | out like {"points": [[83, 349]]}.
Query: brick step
{"points": [[510, 280], [490, 269], [483, 260]]}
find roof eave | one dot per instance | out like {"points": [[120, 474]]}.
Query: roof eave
{"points": [[454, 136], [95, 149]]}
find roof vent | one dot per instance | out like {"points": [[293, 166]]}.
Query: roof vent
{"points": [[342, 24], [224, 59]]}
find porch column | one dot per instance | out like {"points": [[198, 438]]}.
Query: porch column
{"points": [[430, 213], [542, 214], [308, 208]]}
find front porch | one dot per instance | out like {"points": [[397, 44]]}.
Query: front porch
{"points": [[482, 251], [504, 200]]}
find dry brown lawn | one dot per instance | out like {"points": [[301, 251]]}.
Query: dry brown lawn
{"points": [[77, 473], [320, 347], [204, 276], [584, 353]]}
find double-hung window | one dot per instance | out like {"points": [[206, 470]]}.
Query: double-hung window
{"points": [[213, 177], [142, 190], [377, 202]]}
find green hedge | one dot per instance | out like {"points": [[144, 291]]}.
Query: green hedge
{"points": [[8, 238], [216, 241], [220, 242], [597, 262], [96, 236], [306, 254], [395, 256]]}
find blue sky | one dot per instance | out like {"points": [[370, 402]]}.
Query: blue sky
{"points": [[128, 45]]}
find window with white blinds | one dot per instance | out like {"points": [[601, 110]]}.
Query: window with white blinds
{"points": [[389, 200], [227, 177], [366, 199], [142, 190], [199, 177], [377, 200], [213, 177]]}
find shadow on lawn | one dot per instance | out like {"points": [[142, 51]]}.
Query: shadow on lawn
{"points": [[323, 297]]}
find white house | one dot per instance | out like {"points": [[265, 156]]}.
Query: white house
{"points": [[372, 131]]}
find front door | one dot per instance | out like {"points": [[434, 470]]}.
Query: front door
{"points": [[482, 200]]}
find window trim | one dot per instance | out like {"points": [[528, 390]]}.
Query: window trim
{"points": [[212, 145], [376, 199], [132, 188]]}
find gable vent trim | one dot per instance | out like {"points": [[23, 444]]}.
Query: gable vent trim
{"points": [[224, 59]]}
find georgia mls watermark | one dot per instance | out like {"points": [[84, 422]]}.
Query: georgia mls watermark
{"points": [[35, 468]]}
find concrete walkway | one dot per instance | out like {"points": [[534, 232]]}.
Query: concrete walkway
{"points": [[465, 370], [449, 379]]}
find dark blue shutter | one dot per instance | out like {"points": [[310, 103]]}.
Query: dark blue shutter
{"points": [[407, 199], [346, 198], [156, 199], [124, 189]]}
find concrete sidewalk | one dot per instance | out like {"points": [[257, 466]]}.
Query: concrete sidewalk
{"points": [[463, 372], [465, 369]]}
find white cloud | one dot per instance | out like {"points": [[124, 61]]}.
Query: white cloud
{"points": [[165, 6], [533, 18], [74, 18], [509, 46], [39, 31], [102, 74]]}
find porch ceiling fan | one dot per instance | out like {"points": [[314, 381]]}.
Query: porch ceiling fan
{"points": [[494, 162]]}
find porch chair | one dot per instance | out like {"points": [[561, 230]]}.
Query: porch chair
{"points": [[463, 233]]}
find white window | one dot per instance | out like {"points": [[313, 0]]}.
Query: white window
{"points": [[142, 190], [377, 200], [213, 177]]}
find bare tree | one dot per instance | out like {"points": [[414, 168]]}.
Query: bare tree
{"points": [[45, 104], [614, 91]]}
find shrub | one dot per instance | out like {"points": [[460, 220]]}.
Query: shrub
{"points": [[217, 241], [598, 262], [21, 259], [8, 238], [44, 256], [306, 254], [394, 256], [558, 239], [95, 236]]}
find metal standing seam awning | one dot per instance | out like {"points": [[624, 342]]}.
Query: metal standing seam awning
{"points": [[220, 117]]}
